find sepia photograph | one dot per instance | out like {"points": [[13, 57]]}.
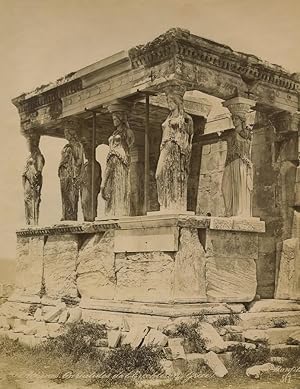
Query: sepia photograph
{"points": [[150, 194]]}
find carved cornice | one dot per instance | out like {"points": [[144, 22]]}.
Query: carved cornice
{"points": [[184, 45], [49, 97]]}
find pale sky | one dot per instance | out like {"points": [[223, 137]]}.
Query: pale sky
{"points": [[42, 40]]}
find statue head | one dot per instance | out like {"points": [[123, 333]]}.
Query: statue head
{"points": [[72, 129], [174, 94], [33, 141], [120, 119]]}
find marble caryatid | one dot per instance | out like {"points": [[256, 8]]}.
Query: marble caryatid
{"points": [[116, 183], [89, 214], [237, 183], [175, 153], [70, 170], [32, 179]]}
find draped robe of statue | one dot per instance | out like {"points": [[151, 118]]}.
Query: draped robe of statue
{"points": [[32, 184], [86, 189], [116, 186], [70, 172], [174, 162], [237, 183]]}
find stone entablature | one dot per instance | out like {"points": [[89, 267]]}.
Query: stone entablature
{"points": [[197, 49], [140, 222]]}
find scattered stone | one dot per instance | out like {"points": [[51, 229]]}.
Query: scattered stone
{"points": [[63, 317], [176, 347], [3, 323], [113, 338], [212, 340], [101, 343], [38, 315], [42, 331], [167, 366], [75, 315], [54, 313], [294, 338], [54, 329], [232, 344], [30, 330], [255, 335], [232, 328], [155, 338], [215, 364], [258, 370], [124, 325], [195, 360], [135, 336]]}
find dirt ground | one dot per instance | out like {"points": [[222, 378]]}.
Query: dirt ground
{"points": [[16, 373]]}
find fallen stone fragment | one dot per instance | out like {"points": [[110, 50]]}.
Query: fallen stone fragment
{"points": [[54, 329], [232, 344], [212, 340], [155, 338], [113, 338], [38, 315], [258, 370], [176, 347], [54, 313], [255, 335], [63, 317], [124, 325], [294, 338], [195, 360], [215, 364], [3, 323], [42, 331], [135, 336], [75, 315]]}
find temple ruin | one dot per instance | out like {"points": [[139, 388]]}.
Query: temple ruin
{"points": [[200, 215]]}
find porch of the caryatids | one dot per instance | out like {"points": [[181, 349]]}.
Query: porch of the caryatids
{"points": [[32, 179], [116, 188], [237, 182], [175, 153], [70, 168]]}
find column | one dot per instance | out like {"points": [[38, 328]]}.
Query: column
{"points": [[70, 168], [32, 179], [173, 166], [237, 182], [116, 188]]}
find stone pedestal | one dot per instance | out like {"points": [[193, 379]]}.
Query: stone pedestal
{"points": [[158, 259]]}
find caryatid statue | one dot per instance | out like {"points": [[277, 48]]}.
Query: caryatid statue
{"points": [[32, 179], [116, 183], [70, 170], [237, 183], [89, 214], [175, 153]]}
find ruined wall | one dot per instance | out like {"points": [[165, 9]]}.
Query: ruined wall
{"points": [[273, 195]]}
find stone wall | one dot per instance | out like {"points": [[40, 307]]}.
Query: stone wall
{"points": [[198, 264], [273, 195]]}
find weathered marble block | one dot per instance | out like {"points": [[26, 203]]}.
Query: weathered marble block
{"points": [[145, 277], [60, 256], [230, 266], [189, 274], [288, 283], [29, 268], [96, 276]]}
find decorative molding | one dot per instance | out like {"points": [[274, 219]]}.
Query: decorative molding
{"points": [[185, 46]]}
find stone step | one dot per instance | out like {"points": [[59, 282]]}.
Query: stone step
{"points": [[273, 305], [272, 335], [261, 320]]}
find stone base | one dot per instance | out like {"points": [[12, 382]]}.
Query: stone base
{"points": [[168, 260]]}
